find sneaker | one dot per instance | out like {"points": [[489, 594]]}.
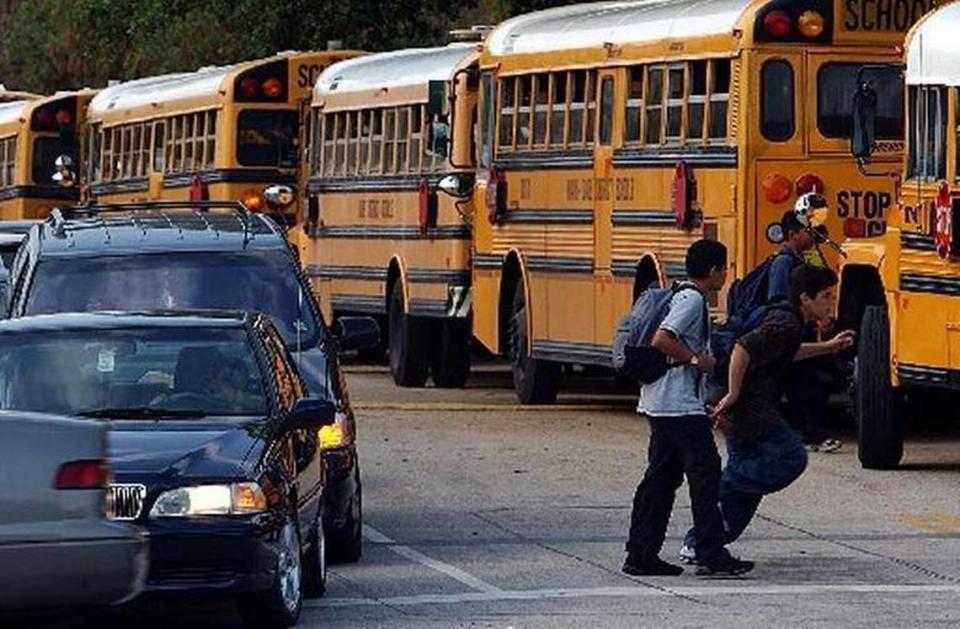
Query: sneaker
{"points": [[688, 555], [725, 566], [655, 567]]}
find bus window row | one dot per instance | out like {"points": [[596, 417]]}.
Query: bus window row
{"points": [[8, 160], [177, 144], [391, 140]]}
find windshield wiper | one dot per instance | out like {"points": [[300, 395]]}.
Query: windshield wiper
{"points": [[136, 412]]}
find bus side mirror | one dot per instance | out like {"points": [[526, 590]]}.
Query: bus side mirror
{"points": [[864, 121]]}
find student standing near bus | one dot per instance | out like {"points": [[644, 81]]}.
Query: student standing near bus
{"points": [[764, 455], [681, 436]]}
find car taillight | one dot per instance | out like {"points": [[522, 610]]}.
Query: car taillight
{"points": [[272, 88], [776, 188], [778, 24], [809, 183], [83, 475], [811, 24], [252, 200]]}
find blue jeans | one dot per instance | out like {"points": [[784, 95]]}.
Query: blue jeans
{"points": [[755, 469]]}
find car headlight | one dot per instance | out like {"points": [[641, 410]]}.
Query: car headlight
{"points": [[234, 499], [331, 437]]}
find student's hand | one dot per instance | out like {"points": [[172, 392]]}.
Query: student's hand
{"points": [[706, 363], [722, 408], [842, 341]]}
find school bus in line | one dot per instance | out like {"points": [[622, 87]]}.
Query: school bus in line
{"points": [[220, 133], [615, 134], [382, 240], [902, 289], [33, 133]]}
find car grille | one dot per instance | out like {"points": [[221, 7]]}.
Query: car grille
{"points": [[126, 501]]}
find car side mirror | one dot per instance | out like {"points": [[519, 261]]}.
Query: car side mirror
{"points": [[311, 413], [357, 332], [864, 121]]}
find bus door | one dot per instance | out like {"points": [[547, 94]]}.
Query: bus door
{"points": [[604, 194]]}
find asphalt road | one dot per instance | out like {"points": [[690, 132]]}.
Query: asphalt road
{"points": [[483, 514]]}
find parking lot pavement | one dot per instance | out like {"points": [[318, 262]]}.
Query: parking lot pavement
{"points": [[482, 515]]}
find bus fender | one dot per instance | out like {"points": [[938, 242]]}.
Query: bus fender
{"points": [[397, 272]]}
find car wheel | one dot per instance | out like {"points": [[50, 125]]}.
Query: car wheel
{"points": [[879, 429], [315, 562], [346, 544], [279, 606], [535, 381], [450, 367], [408, 359]]}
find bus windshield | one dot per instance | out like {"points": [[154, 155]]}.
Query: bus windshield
{"points": [[267, 138], [46, 150], [836, 85]]}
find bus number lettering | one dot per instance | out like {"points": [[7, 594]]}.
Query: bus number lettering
{"points": [[624, 189], [603, 189], [307, 74], [375, 208], [573, 189], [884, 15], [586, 190]]}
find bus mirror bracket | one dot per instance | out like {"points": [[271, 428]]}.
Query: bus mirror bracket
{"points": [[864, 120], [64, 174]]}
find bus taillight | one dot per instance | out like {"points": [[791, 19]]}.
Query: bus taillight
{"points": [[778, 24], [776, 188], [250, 88], [809, 183], [252, 200], [273, 88]]}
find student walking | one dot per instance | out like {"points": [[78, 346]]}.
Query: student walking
{"points": [[681, 436], [764, 455]]}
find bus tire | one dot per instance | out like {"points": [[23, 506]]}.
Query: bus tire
{"points": [[408, 359], [378, 352], [879, 427], [535, 381], [450, 366]]}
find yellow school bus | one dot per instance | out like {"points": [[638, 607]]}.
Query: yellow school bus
{"points": [[220, 133], [389, 130], [902, 290], [33, 134], [615, 134]]}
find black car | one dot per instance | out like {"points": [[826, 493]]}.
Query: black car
{"points": [[214, 443], [199, 255]]}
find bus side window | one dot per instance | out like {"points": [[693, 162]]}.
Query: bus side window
{"points": [[928, 132], [696, 101], [653, 119], [634, 103], [93, 154], [777, 117], [719, 98], [158, 146], [561, 98], [676, 91], [488, 120]]}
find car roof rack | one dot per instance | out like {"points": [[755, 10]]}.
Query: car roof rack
{"points": [[59, 216]]}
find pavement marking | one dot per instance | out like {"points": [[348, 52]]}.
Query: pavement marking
{"points": [[634, 592], [376, 537], [491, 408], [944, 523]]}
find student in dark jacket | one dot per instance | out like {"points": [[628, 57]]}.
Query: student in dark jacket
{"points": [[764, 455]]}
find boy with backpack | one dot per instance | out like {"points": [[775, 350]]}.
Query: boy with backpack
{"points": [[681, 435], [764, 455]]}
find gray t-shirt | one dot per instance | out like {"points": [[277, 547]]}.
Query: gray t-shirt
{"points": [[682, 390]]}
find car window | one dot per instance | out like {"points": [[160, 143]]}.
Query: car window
{"points": [[263, 281], [289, 386], [204, 371]]}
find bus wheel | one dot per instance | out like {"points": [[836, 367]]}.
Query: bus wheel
{"points": [[450, 366], [535, 381], [879, 429], [408, 360]]}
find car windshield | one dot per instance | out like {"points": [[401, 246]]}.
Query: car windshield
{"points": [[263, 281], [132, 373]]}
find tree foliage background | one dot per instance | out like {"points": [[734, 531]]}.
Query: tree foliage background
{"points": [[67, 44]]}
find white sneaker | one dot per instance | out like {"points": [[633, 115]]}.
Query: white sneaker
{"points": [[688, 555], [826, 446]]}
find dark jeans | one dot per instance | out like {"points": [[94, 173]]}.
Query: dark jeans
{"points": [[679, 446], [755, 469]]}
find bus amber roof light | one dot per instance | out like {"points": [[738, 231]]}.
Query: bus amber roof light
{"points": [[810, 24], [809, 183], [64, 118], [776, 188], [249, 88], [272, 89], [778, 24]]}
